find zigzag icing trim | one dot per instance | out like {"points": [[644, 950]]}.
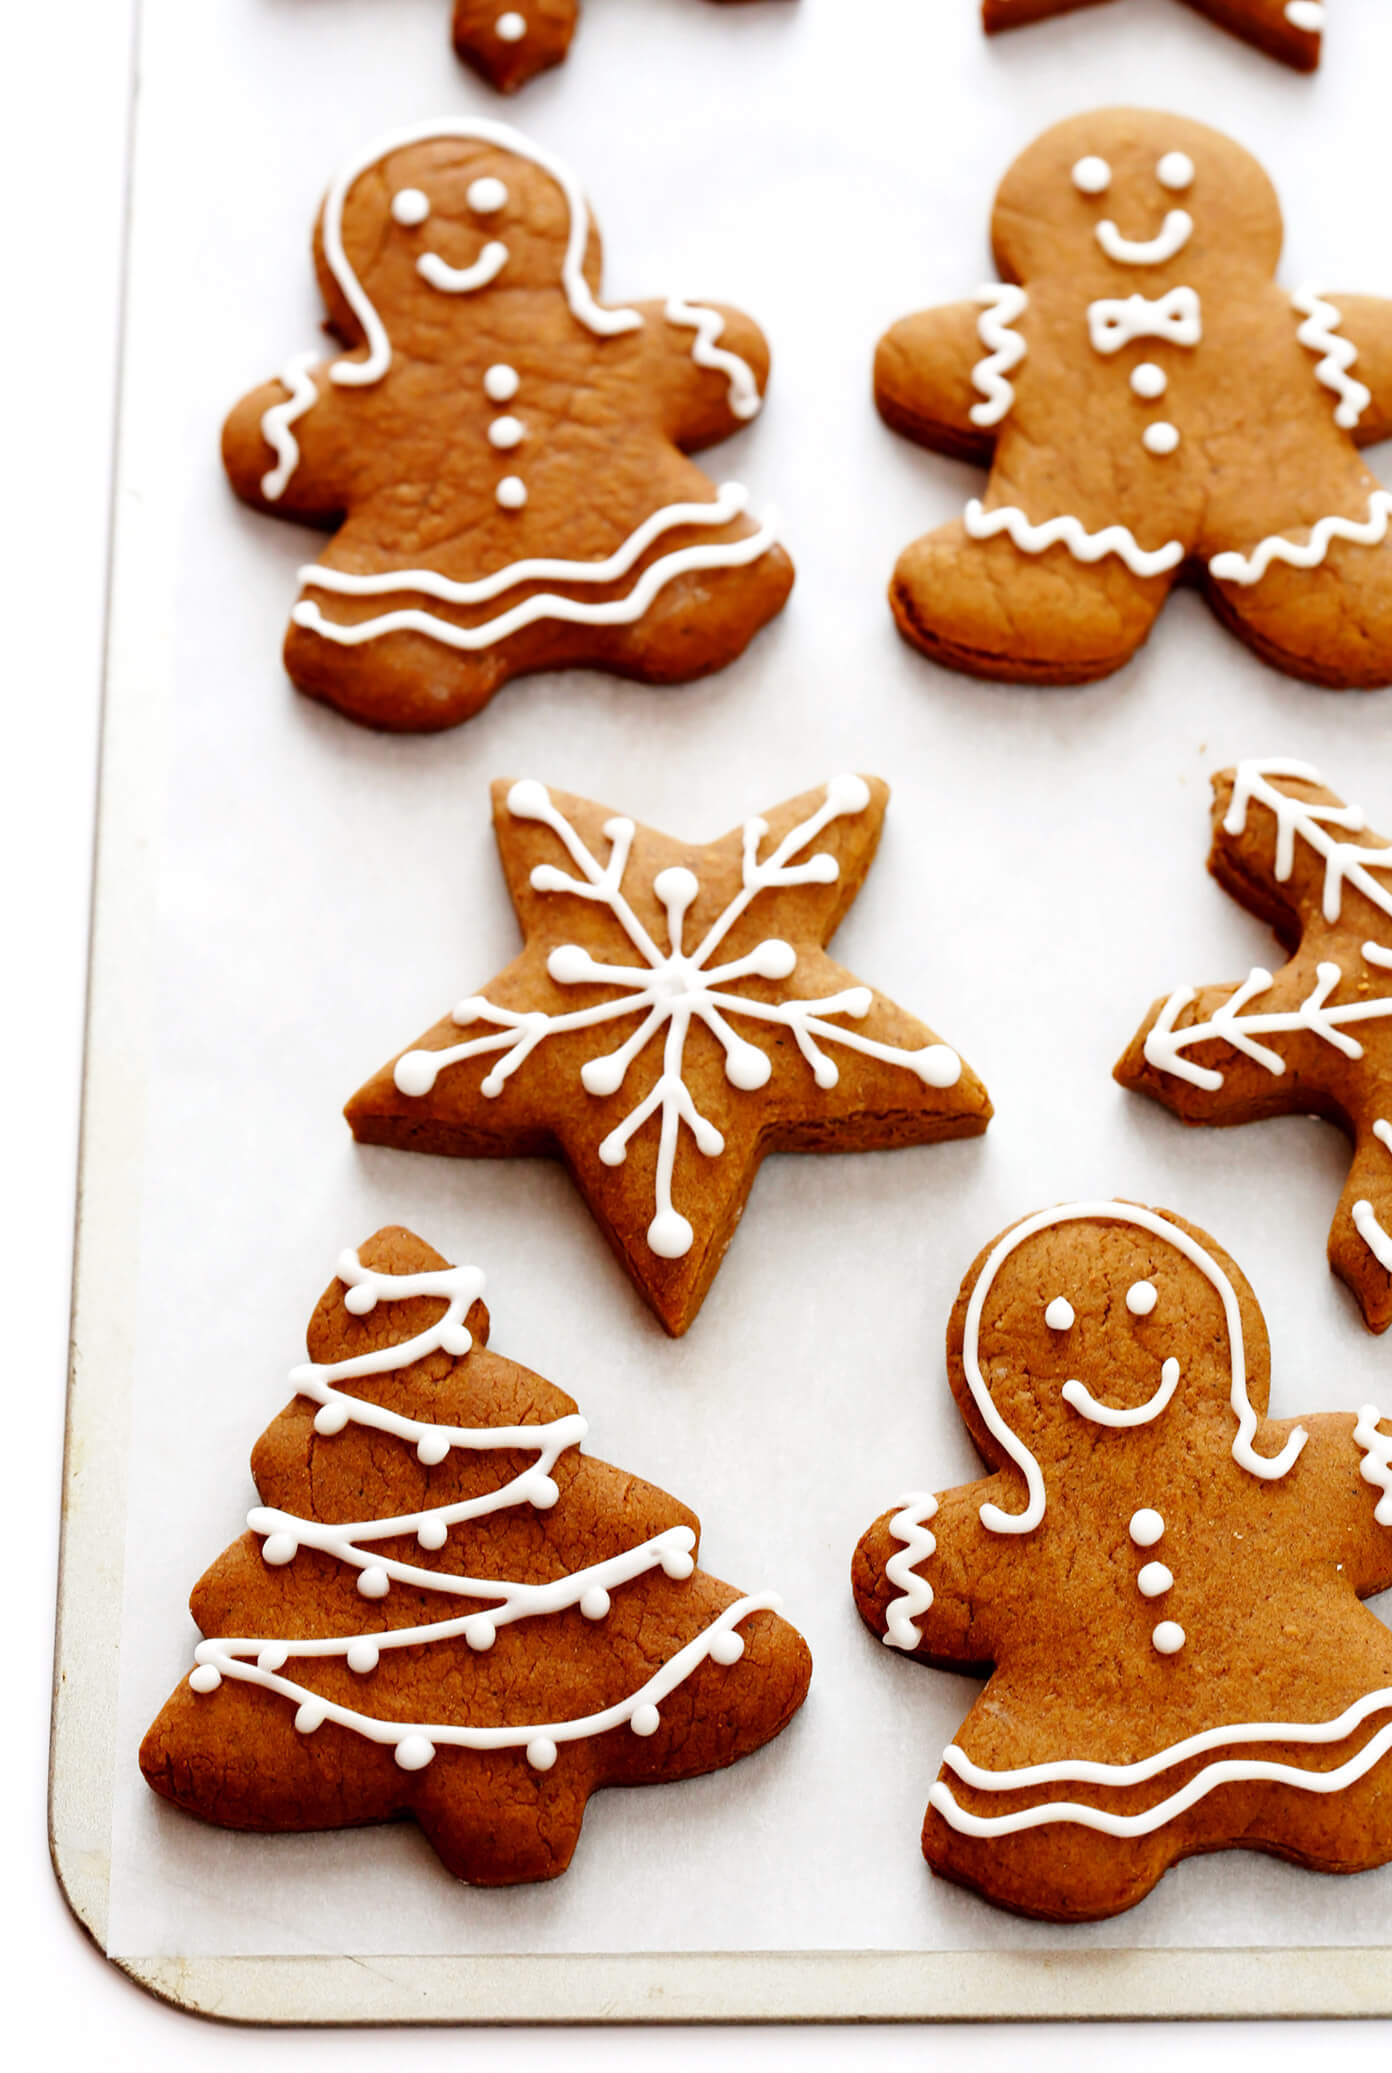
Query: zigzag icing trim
{"points": [[1317, 334], [743, 392], [1070, 533], [1004, 305], [276, 423], [1377, 1459], [1307, 554], [910, 1526]]}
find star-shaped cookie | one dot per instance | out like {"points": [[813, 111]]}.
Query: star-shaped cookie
{"points": [[1314, 1038], [672, 1016], [1288, 29]]}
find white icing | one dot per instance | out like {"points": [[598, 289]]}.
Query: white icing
{"points": [[1322, 320], [1345, 863], [1377, 1459], [1141, 1298], [1087, 1405], [1310, 553], [1146, 1527], [506, 432], [1002, 306], [1092, 175], [998, 1521], [1175, 171], [510, 27], [1117, 321], [1070, 533], [1149, 381], [1306, 14], [1160, 438], [910, 1525], [1168, 243], [1168, 1638], [501, 383], [673, 988], [742, 392], [1154, 1580], [276, 423], [511, 493], [502, 1600], [1060, 1314], [454, 280], [1119, 1776], [486, 196], [410, 206]]}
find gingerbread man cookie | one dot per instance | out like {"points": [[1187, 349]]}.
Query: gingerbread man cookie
{"points": [[1291, 30], [1152, 405], [507, 46], [1315, 1038], [671, 1018], [501, 458], [1163, 1582], [442, 1609]]}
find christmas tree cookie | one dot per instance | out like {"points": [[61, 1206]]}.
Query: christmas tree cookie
{"points": [[500, 458], [507, 46], [1152, 405], [672, 1016], [1314, 1038], [443, 1609], [1162, 1581], [1291, 30]]}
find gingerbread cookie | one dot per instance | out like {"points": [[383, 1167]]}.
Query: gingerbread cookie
{"points": [[501, 458], [1291, 30], [671, 1018], [507, 46], [1152, 405], [1163, 1582], [1315, 1038], [443, 1609]]}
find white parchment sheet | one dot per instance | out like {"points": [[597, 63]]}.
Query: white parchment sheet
{"points": [[326, 892]]}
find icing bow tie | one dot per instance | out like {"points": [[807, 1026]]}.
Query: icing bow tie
{"points": [[1176, 317]]}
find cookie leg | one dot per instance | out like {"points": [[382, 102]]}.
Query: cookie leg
{"points": [[1060, 1873], [697, 623], [494, 1821], [1360, 1239], [987, 608], [507, 46], [404, 683], [1331, 625]]}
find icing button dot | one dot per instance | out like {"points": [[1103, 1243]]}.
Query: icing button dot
{"points": [[595, 1602], [414, 1752], [1059, 1315], [374, 1582], [541, 1753], [510, 27], [506, 432], [646, 1721], [727, 1648], [1169, 1638], [1160, 438], [1146, 1527], [1149, 381], [501, 383], [1092, 175], [363, 1657], [432, 1533], [511, 493], [1141, 1298], [486, 196], [410, 206], [1175, 171], [1154, 1580]]}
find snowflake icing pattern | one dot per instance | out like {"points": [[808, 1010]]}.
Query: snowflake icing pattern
{"points": [[672, 988]]}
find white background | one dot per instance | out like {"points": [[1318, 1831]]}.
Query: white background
{"points": [[65, 180]]}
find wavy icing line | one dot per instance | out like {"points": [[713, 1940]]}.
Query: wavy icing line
{"points": [[1317, 334], [1377, 1459], [1231, 1771], [276, 423], [1070, 533], [1308, 554], [1004, 305], [910, 1525], [283, 1533], [743, 391], [1269, 1470]]}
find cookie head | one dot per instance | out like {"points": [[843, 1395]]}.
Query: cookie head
{"points": [[1134, 195], [1106, 1318]]}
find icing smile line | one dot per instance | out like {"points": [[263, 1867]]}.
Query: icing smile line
{"points": [[463, 280], [1174, 235], [1081, 1399]]}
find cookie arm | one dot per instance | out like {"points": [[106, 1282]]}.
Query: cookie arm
{"points": [[923, 377], [286, 446], [711, 365], [930, 1568], [1366, 322], [1347, 1465]]}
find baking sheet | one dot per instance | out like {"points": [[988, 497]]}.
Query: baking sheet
{"points": [[285, 898]]}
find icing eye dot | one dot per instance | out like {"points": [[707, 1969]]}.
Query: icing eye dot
{"points": [[486, 196], [1092, 176], [1141, 1298], [410, 206], [1059, 1315], [1175, 171]]}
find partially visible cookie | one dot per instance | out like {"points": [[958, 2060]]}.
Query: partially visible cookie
{"points": [[1291, 30], [500, 458], [506, 45], [1315, 1037], [1162, 1581], [442, 1609], [673, 1015]]}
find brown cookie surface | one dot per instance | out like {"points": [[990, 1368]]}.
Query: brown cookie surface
{"points": [[1153, 406], [442, 1609], [1314, 1038], [507, 46], [500, 458], [672, 1017], [1291, 30], [1162, 1582]]}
